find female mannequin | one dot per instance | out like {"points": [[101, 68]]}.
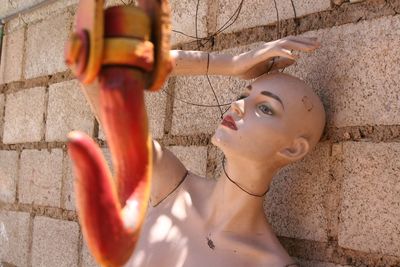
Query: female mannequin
{"points": [[202, 222]]}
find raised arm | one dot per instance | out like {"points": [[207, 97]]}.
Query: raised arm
{"points": [[268, 57]]}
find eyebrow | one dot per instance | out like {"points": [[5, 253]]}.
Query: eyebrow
{"points": [[266, 93]]}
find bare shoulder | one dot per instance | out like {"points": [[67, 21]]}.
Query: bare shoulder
{"points": [[168, 173]]}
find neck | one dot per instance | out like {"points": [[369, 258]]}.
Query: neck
{"points": [[238, 204]]}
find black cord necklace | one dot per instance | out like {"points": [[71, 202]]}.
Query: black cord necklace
{"points": [[241, 188]]}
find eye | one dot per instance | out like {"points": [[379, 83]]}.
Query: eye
{"points": [[266, 109]]}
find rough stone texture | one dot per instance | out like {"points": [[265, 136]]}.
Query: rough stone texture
{"points": [[87, 258], [184, 20], [190, 119], [356, 72], [8, 175], [263, 12], [67, 111], [295, 203], [254, 13], [24, 116], [46, 40], [9, 7], [14, 237], [305, 263], [305, 7], [55, 242], [68, 189], [155, 106], [370, 208], [11, 61], [193, 157], [40, 177], [47, 11]]}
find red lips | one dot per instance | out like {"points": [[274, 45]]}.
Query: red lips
{"points": [[229, 122]]}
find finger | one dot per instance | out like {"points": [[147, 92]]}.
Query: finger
{"points": [[282, 52], [305, 45]]}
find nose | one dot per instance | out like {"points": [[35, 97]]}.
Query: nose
{"points": [[238, 107]]}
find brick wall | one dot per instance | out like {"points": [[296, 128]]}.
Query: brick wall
{"points": [[340, 206]]}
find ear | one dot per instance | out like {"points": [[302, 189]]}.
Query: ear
{"points": [[297, 151]]}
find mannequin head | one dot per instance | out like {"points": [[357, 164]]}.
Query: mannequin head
{"points": [[276, 121]]}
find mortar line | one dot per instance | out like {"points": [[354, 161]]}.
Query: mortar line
{"points": [[40, 210], [212, 18], [63, 179], [40, 81], [3, 118], [332, 253], [17, 179], [96, 128], [169, 107], [45, 113]]}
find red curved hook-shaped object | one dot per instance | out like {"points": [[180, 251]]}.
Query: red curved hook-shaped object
{"points": [[111, 212], [111, 216]]}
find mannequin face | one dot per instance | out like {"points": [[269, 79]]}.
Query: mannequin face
{"points": [[269, 120]]}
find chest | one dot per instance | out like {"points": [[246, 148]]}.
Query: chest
{"points": [[174, 235]]}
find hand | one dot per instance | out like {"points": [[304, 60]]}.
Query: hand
{"points": [[271, 56]]}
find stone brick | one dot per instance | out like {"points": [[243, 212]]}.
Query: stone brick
{"points": [[190, 119], [254, 13], [263, 12], [68, 188], [295, 202], [8, 175], [9, 7], [193, 157], [356, 72], [370, 208], [69, 193], [155, 106], [40, 177], [67, 111], [14, 237], [24, 116], [184, 20], [305, 7], [43, 13], [13, 48], [87, 258], [55, 242], [45, 46]]}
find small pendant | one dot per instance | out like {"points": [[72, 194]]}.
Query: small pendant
{"points": [[210, 243]]}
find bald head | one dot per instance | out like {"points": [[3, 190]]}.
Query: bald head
{"points": [[303, 110]]}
